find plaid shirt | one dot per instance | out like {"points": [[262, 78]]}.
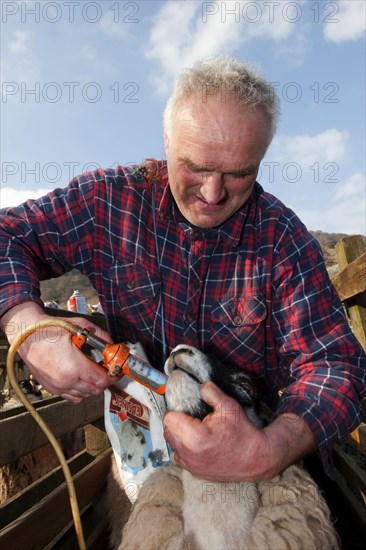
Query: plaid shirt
{"points": [[253, 292]]}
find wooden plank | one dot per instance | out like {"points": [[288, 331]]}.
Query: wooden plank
{"points": [[358, 438], [31, 495], [96, 439], [354, 507], [349, 249], [350, 470], [20, 434], [40, 525], [14, 411], [95, 526], [352, 279]]}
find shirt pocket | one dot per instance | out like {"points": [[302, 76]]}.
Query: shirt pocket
{"points": [[137, 293], [238, 327]]}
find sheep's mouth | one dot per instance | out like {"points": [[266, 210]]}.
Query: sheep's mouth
{"points": [[188, 373], [188, 364]]}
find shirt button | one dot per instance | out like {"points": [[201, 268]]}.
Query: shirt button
{"points": [[189, 317], [131, 284], [195, 234], [238, 320]]}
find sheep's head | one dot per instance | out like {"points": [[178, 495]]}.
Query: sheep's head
{"points": [[188, 368]]}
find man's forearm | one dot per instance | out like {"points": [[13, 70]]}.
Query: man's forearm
{"points": [[290, 440]]}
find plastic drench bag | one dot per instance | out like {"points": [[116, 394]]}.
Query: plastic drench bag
{"points": [[133, 417]]}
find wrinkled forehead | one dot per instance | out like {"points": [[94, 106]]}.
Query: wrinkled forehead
{"points": [[218, 118], [218, 133]]}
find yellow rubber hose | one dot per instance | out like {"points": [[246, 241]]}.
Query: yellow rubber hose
{"points": [[42, 424]]}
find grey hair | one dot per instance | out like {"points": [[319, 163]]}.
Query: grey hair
{"points": [[220, 76]]}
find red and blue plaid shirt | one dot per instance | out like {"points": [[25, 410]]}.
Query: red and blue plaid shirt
{"points": [[253, 292]]}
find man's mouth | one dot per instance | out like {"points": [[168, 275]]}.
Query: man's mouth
{"points": [[206, 204]]}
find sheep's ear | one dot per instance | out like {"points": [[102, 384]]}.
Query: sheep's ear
{"points": [[246, 384], [244, 389]]}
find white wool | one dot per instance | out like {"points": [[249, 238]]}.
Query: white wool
{"points": [[175, 511]]}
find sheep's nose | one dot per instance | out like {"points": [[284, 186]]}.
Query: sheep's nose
{"points": [[179, 351]]}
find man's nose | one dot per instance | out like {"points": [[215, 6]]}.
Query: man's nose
{"points": [[212, 189]]}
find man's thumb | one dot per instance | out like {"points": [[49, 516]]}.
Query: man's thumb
{"points": [[212, 395]]}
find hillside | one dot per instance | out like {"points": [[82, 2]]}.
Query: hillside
{"points": [[62, 287], [327, 242]]}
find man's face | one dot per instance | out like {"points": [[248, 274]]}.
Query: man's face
{"points": [[213, 151]]}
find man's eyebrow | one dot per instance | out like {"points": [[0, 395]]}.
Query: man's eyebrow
{"points": [[241, 171], [193, 166]]}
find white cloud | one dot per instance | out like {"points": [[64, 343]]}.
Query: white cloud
{"points": [[111, 25], [87, 52], [328, 146], [344, 212], [184, 32], [355, 186], [305, 171], [296, 50], [20, 42], [348, 23], [12, 197], [22, 64]]}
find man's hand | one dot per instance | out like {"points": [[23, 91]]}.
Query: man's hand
{"points": [[226, 446], [52, 358]]}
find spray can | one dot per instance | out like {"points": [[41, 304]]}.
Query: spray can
{"points": [[77, 303]]}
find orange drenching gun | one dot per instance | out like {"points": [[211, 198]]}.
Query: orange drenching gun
{"points": [[118, 360]]}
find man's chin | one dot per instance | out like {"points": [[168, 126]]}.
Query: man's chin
{"points": [[204, 221], [205, 217]]}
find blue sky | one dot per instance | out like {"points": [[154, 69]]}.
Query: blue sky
{"points": [[84, 85]]}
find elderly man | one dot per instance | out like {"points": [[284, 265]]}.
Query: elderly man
{"points": [[193, 251]]}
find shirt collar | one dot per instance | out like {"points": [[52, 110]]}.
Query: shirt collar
{"points": [[230, 231]]}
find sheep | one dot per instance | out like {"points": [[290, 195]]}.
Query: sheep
{"points": [[176, 511]]}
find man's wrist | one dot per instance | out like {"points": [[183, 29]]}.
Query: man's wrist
{"points": [[19, 317], [290, 440]]}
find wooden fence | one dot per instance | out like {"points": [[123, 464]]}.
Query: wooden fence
{"points": [[350, 284], [39, 517]]}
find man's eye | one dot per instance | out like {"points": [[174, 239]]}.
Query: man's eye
{"points": [[199, 170], [237, 175]]}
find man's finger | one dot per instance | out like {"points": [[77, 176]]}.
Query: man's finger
{"points": [[72, 398], [85, 323], [96, 375], [179, 423], [213, 395]]}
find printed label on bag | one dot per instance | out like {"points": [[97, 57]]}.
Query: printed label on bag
{"points": [[128, 407], [130, 420], [133, 417]]}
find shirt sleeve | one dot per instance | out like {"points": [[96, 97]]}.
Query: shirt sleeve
{"points": [[44, 238], [322, 364]]}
